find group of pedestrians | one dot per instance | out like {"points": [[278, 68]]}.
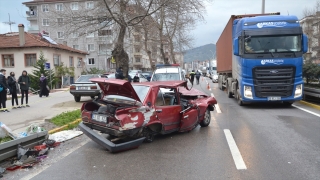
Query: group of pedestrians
{"points": [[13, 87], [195, 74]]}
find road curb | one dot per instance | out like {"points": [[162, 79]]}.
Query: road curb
{"points": [[310, 104], [64, 126]]}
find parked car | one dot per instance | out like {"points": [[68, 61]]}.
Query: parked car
{"points": [[135, 112], [147, 75], [214, 78], [168, 72], [134, 71], [84, 87]]}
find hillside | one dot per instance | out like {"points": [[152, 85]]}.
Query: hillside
{"points": [[201, 53]]}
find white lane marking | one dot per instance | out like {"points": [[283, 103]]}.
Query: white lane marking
{"points": [[56, 159], [313, 113], [234, 150], [217, 105]]}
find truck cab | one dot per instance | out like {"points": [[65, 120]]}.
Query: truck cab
{"points": [[266, 55]]}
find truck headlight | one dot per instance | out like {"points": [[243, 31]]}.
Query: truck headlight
{"points": [[248, 92], [298, 91]]}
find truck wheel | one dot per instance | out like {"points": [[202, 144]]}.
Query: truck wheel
{"points": [[207, 118], [239, 101], [229, 92], [77, 98]]}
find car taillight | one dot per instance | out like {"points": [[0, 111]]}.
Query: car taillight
{"points": [[93, 87], [72, 87]]}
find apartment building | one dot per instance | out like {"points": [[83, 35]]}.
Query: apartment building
{"points": [[311, 27], [72, 23]]}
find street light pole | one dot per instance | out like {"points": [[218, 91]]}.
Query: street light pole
{"points": [[263, 6]]}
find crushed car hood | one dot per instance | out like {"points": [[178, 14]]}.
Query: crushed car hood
{"points": [[116, 87]]}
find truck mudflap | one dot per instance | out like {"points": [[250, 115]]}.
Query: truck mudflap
{"points": [[108, 144]]}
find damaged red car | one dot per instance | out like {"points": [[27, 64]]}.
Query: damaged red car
{"points": [[131, 113]]}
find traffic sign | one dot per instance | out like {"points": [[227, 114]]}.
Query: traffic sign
{"points": [[47, 66]]}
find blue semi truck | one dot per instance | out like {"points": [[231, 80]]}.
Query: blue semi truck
{"points": [[260, 58]]}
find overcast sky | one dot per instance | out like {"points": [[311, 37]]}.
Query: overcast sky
{"points": [[218, 14]]}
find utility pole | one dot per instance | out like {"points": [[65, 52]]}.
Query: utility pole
{"points": [[9, 22], [263, 6]]}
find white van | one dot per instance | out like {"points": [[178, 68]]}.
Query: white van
{"points": [[168, 72]]}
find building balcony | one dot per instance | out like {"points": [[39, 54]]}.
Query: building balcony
{"points": [[104, 40], [32, 15], [137, 54], [137, 63], [33, 29]]}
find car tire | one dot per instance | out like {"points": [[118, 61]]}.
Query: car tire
{"points": [[77, 98], [99, 96], [207, 118], [92, 97], [149, 135]]}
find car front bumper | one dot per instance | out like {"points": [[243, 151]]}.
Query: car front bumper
{"points": [[107, 143], [85, 93]]}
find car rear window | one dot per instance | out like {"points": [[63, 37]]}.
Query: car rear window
{"points": [[166, 77], [86, 78]]}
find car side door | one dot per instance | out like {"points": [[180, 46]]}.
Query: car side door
{"points": [[168, 110]]}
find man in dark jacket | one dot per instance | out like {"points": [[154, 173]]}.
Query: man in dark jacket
{"points": [[3, 93], [14, 89], [198, 74], [24, 82], [119, 73]]}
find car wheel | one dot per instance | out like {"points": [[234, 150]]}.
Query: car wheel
{"points": [[99, 96], [148, 134], [207, 118], [77, 98], [92, 97]]}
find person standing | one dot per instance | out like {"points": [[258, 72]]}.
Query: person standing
{"points": [[14, 88], [192, 74], [43, 86], [119, 73], [136, 78], [5, 90], [24, 82], [198, 74]]}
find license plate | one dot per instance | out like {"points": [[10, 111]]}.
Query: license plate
{"points": [[274, 98], [83, 88], [100, 118]]}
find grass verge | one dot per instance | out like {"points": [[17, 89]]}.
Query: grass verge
{"points": [[66, 117], [5, 139]]}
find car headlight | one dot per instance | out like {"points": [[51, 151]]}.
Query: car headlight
{"points": [[298, 91], [248, 92]]}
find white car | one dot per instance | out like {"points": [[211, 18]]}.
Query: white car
{"points": [[214, 78], [168, 72]]}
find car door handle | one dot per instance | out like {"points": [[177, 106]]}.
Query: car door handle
{"points": [[158, 110]]}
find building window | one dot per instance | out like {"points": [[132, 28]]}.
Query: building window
{"points": [[71, 63], [59, 7], [75, 35], [60, 35], [79, 62], [90, 34], [91, 61], [90, 47], [104, 32], [89, 5], [45, 8], [30, 59], [56, 59], [74, 6], [75, 46], [7, 60], [60, 21], [45, 22], [138, 60]]}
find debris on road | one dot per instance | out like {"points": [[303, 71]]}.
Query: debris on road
{"points": [[65, 135]]}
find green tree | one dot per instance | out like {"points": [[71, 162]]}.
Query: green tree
{"points": [[39, 68], [62, 71]]}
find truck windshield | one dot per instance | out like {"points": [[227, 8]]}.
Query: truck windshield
{"points": [[273, 44]]}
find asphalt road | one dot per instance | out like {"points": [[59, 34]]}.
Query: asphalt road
{"points": [[250, 142]]}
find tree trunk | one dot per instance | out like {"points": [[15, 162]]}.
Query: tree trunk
{"points": [[146, 49], [172, 52], [165, 60], [119, 54]]}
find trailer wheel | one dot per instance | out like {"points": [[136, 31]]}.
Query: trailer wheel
{"points": [[228, 91]]}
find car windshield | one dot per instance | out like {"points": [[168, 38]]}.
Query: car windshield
{"points": [[263, 44], [86, 78], [142, 92], [166, 77]]}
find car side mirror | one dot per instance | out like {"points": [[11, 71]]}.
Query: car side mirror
{"points": [[305, 43], [236, 46]]}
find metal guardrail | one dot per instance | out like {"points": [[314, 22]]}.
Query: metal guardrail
{"points": [[9, 149]]}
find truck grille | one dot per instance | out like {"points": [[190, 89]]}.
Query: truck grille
{"points": [[273, 81]]}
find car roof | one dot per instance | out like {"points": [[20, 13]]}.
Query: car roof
{"points": [[171, 84], [167, 70]]}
